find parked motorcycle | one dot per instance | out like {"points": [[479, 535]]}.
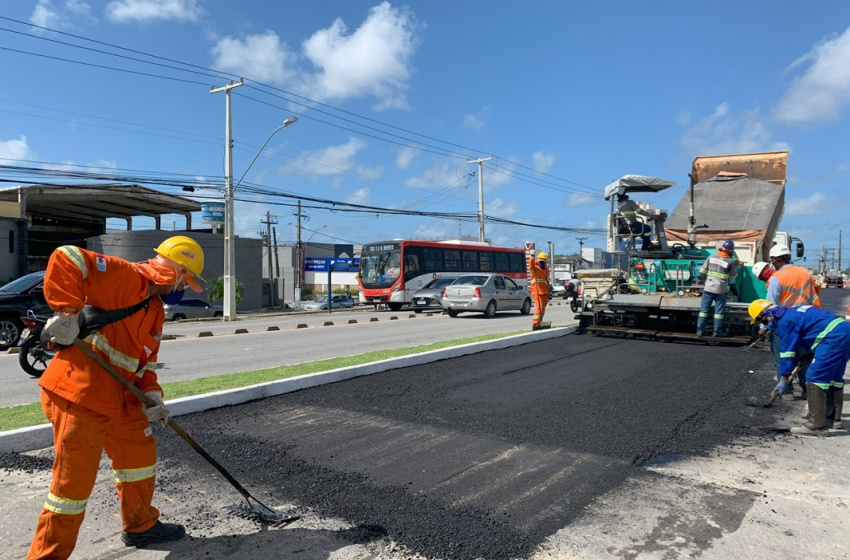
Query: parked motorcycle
{"points": [[33, 356]]}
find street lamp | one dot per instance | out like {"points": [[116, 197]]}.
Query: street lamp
{"points": [[229, 233]]}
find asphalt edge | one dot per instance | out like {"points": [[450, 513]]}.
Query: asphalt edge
{"points": [[41, 436]]}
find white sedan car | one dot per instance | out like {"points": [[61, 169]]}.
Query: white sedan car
{"points": [[485, 293]]}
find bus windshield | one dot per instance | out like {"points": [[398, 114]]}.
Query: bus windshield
{"points": [[380, 269]]}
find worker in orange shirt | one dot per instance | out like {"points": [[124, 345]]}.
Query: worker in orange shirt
{"points": [[540, 287], [89, 410]]}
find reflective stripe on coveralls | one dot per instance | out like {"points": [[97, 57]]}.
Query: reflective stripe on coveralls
{"points": [[134, 475], [809, 327], [64, 506]]}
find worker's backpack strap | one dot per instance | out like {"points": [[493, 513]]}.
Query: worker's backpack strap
{"points": [[93, 319]]}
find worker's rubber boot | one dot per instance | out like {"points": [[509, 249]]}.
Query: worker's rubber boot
{"points": [[834, 407], [816, 426], [159, 533]]}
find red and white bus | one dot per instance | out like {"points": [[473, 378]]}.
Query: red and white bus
{"points": [[381, 265]]}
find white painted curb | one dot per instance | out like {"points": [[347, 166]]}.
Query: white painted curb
{"points": [[41, 436]]}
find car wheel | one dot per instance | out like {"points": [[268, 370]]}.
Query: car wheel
{"points": [[490, 312], [417, 311], [217, 314], [451, 312], [178, 317], [526, 307], [10, 331]]}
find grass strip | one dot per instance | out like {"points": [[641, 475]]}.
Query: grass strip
{"points": [[21, 416]]}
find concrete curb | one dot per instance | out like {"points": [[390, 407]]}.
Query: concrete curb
{"points": [[41, 436]]}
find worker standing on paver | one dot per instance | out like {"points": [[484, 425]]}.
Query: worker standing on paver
{"points": [[827, 336], [717, 271], [789, 286], [89, 410], [540, 287]]}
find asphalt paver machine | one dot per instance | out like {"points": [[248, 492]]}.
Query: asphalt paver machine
{"points": [[655, 294]]}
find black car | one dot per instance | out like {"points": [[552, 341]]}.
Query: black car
{"points": [[16, 298]]}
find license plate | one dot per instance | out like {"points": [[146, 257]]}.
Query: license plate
{"points": [[421, 302], [25, 334]]}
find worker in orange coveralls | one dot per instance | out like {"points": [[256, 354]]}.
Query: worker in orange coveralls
{"points": [[90, 411], [540, 287]]}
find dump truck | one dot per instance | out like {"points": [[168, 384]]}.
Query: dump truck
{"points": [[653, 293], [834, 279]]}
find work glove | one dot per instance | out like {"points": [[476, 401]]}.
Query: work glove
{"points": [[781, 386], [157, 413], [63, 328]]}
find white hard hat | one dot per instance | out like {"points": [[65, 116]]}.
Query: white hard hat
{"points": [[780, 251], [758, 268]]}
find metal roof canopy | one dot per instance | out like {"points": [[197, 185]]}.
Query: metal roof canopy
{"points": [[97, 202], [636, 183]]}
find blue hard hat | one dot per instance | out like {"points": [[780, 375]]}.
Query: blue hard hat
{"points": [[729, 245]]}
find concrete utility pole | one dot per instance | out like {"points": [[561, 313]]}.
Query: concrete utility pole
{"points": [[480, 163], [580, 248], [269, 223], [839, 250], [298, 259], [229, 245]]}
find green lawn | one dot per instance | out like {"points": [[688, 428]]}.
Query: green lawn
{"points": [[20, 416]]}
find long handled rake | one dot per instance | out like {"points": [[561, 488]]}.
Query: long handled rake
{"points": [[253, 509]]}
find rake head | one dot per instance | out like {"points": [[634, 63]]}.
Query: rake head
{"points": [[261, 514]]}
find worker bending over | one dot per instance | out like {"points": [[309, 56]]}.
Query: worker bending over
{"points": [[827, 336], [90, 411], [789, 286], [539, 287], [717, 271]]}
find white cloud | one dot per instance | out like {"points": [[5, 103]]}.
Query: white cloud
{"points": [[46, 14], [813, 205], [16, 150], [728, 132], [435, 178], [373, 60], [405, 157], [579, 199], [127, 11], [104, 164], [261, 57], [500, 208], [360, 196], [819, 95], [542, 162], [477, 121], [332, 160]]}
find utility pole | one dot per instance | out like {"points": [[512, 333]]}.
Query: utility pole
{"points": [[297, 302], [269, 223], [551, 262], [276, 256], [480, 163], [580, 249], [839, 250], [229, 239]]}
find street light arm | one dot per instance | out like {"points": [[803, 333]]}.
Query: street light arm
{"points": [[286, 123]]}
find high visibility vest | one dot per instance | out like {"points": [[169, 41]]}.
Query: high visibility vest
{"points": [[796, 287], [539, 278]]}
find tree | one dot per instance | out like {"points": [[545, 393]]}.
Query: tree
{"points": [[215, 290]]}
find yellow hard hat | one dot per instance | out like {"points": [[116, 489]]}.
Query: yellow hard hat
{"points": [[542, 257], [758, 307], [185, 251]]}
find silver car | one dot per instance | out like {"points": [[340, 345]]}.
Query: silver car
{"points": [[485, 293], [321, 302], [192, 309], [429, 296]]}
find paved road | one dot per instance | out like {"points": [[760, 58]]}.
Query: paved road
{"points": [[190, 357]]}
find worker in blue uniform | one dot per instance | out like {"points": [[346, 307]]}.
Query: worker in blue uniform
{"points": [[827, 336]]}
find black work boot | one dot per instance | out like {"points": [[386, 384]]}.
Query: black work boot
{"points": [[816, 426], [159, 533]]}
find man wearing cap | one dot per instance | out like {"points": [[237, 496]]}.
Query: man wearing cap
{"points": [[717, 271], [89, 410], [628, 211], [540, 287]]}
